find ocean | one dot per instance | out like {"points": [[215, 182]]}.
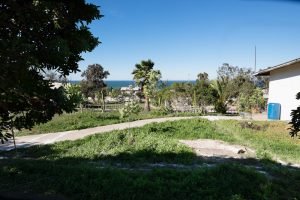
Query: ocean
{"points": [[126, 83]]}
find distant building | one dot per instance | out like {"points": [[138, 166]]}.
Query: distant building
{"points": [[130, 89], [131, 93], [283, 86]]}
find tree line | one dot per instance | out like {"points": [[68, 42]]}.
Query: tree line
{"points": [[36, 36]]}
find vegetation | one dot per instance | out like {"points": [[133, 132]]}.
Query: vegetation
{"points": [[37, 36], [126, 165], [146, 78], [92, 118], [232, 82], [85, 181], [253, 101], [234, 87], [205, 93], [73, 92], [129, 109], [295, 122], [92, 85], [268, 138]]}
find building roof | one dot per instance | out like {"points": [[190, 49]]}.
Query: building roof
{"points": [[266, 72], [130, 88]]}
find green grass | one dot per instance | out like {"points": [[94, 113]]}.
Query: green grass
{"points": [[89, 119], [85, 182], [151, 143], [114, 165], [269, 139], [74, 121]]}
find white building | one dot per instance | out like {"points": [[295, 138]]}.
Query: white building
{"points": [[130, 89], [284, 85]]}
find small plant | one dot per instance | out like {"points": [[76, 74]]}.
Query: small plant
{"points": [[130, 108], [163, 111], [295, 121], [253, 126]]}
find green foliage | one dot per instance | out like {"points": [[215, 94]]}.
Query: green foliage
{"points": [[89, 118], [250, 101], [37, 36], [84, 181], [269, 139], [221, 96], [93, 83], [116, 165], [73, 92], [182, 90], [115, 93], [146, 78], [162, 111], [231, 82], [205, 93], [74, 121], [129, 109], [295, 121]]}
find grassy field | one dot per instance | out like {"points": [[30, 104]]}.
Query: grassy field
{"points": [[88, 119], [121, 164]]}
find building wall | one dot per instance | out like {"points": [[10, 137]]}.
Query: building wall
{"points": [[283, 87]]}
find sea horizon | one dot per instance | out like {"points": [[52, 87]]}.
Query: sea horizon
{"points": [[115, 84]]}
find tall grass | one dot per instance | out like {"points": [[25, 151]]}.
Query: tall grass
{"points": [[89, 119], [111, 165]]}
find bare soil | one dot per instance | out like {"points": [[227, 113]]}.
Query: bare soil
{"points": [[217, 148]]}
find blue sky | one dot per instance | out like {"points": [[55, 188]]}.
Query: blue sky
{"points": [[185, 37]]}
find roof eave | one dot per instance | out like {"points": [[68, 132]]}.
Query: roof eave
{"points": [[263, 73]]}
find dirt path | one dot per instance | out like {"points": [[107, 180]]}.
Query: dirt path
{"points": [[49, 138], [217, 148]]}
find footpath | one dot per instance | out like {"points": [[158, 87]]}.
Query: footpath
{"points": [[49, 138]]}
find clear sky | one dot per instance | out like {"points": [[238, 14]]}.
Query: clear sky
{"points": [[185, 37]]}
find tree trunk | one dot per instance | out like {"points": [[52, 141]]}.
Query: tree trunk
{"points": [[103, 101], [13, 134], [147, 104], [81, 107]]}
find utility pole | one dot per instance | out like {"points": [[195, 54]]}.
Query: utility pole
{"points": [[254, 78], [255, 58]]}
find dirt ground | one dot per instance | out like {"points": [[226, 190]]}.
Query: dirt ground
{"points": [[217, 148]]}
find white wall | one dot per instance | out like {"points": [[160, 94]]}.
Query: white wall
{"points": [[283, 87]]}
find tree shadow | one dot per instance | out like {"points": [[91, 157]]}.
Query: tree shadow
{"points": [[144, 174]]}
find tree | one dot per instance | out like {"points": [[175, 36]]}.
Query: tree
{"points": [[73, 92], [146, 78], [35, 36], [54, 77], [222, 96], [205, 93], [93, 84], [231, 82], [295, 121], [251, 101]]}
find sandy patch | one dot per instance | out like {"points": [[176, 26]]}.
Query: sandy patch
{"points": [[217, 148]]}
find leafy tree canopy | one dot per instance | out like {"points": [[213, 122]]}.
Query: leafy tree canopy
{"points": [[146, 78], [205, 93], [35, 36], [295, 122], [93, 80], [234, 79]]}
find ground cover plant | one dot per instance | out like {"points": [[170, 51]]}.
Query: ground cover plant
{"points": [[270, 139], [150, 163], [92, 118]]}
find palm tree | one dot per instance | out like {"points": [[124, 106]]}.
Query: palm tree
{"points": [[146, 78], [222, 96]]}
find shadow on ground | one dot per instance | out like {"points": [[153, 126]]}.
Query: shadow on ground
{"points": [[144, 175]]}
